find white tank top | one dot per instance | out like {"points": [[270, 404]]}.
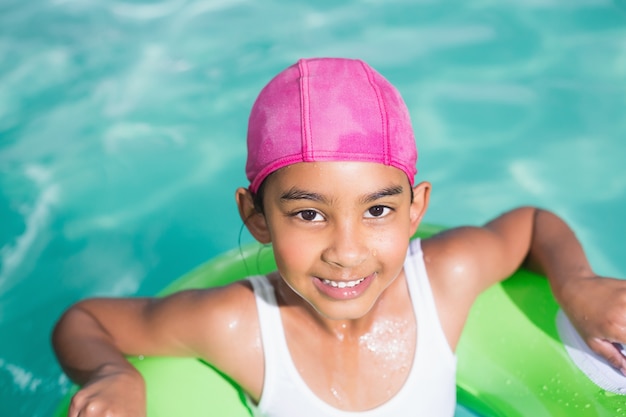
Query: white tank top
{"points": [[430, 388]]}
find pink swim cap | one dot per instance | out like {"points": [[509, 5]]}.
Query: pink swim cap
{"points": [[328, 109]]}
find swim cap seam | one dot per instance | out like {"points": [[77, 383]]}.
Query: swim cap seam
{"points": [[382, 111], [305, 117]]}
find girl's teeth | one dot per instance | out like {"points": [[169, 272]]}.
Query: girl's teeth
{"points": [[343, 284]]}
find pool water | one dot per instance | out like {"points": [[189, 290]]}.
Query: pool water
{"points": [[122, 127]]}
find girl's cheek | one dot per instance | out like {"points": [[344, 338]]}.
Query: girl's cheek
{"points": [[293, 245]]}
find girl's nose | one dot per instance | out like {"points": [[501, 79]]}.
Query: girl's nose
{"points": [[347, 247]]}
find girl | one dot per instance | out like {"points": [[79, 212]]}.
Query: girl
{"points": [[358, 319]]}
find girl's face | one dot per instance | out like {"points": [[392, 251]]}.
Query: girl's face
{"points": [[340, 231]]}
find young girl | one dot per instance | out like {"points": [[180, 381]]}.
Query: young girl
{"points": [[358, 319]]}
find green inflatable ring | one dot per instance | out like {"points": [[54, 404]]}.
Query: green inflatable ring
{"points": [[511, 361]]}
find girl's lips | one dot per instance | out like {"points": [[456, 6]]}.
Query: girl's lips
{"points": [[343, 290]]}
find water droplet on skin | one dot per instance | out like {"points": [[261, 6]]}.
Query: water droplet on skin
{"points": [[388, 339], [335, 393]]}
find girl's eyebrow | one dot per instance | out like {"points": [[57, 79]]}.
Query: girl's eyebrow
{"points": [[385, 192], [298, 194]]}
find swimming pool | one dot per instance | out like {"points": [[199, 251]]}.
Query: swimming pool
{"points": [[122, 130]]}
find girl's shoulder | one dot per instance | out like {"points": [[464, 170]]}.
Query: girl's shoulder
{"points": [[452, 273], [219, 308], [230, 328], [449, 255]]}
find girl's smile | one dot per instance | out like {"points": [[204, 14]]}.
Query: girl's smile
{"points": [[344, 290]]}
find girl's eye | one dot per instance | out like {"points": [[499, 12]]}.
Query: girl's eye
{"points": [[377, 211], [309, 215]]}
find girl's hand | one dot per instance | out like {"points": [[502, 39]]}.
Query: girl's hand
{"points": [[596, 306], [114, 392]]}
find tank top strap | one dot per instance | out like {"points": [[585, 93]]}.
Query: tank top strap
{"points": [[424, 302], [272, 333]]}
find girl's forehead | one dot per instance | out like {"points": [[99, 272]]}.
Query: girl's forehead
{"points": [[338, 177]]}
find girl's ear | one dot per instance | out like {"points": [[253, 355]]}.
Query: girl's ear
{"points": [[253, 219], [421, 197]]}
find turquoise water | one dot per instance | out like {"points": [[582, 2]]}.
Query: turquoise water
{"points": [[122, 130]]}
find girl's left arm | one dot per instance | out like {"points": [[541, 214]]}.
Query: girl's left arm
{"points": [[470, 259]]}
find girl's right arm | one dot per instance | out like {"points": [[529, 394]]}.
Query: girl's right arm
{"points": [[90, 356], [93, 338]]}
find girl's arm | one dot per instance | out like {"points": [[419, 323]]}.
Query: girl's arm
{"points": [[468, 260], [93, 337], [90, 356]]}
